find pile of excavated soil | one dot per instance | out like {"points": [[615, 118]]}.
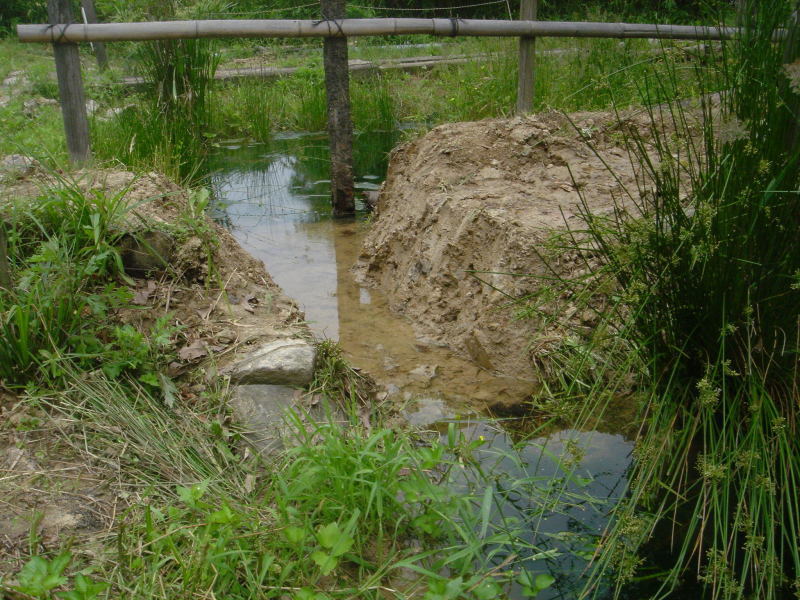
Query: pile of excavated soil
{"points": [[463, 222]]}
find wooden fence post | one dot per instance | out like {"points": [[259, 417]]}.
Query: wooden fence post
{"points": [[70, 85], [527, 60], [99, 48], [340, 126]]}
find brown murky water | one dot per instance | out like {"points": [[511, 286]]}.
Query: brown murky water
{"points": [[282, 219]]}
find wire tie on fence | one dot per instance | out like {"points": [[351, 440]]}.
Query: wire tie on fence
{"points": [[453, 26], [339, 27], [61, 36], [337, 23]]}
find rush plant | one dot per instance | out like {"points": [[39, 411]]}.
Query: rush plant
{"points": [[707, 268]]}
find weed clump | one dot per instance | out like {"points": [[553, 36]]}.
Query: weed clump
{"points": [[66, 279]]}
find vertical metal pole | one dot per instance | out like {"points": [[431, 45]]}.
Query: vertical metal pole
{"points": [[70, 85], [527, 60], [340, 126], [99, 48]]}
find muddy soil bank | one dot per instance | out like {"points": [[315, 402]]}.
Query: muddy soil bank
{"points": [[221, 302], [465, 224]]}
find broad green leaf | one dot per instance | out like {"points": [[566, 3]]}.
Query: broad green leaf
{"points": [[85, 589], [488, 590], [486, 510], [295, 535], [325, 561], [544, 581], [39, 575], [224, 515], [329, 535]]}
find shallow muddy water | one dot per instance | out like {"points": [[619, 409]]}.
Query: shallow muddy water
{"points": [[275, 201]]}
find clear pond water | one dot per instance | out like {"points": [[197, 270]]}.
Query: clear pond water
{"points": [[275, 200]]}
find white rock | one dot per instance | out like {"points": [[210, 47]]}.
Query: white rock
{"points": [[114, 112], [14, 78], [92, 106], [282, 362]]}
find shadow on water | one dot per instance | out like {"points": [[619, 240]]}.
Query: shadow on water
{"points": [[561, 484]]}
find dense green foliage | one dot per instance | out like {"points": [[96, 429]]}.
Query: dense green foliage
{"points": [[65, 271], [21, 11], [707, 268]]}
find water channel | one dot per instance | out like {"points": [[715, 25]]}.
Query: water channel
{"points": [[275, 200]]}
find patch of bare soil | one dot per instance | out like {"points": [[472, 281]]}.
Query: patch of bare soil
{"points": [[464, 220], [48, 493]]}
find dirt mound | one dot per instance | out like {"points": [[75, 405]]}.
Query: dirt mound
{"points": [[221, 297], [465, 216]]}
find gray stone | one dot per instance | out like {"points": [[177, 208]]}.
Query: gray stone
{"points": [[114, 112], [14, 78], [261, 410], [146, 252], [30, 107], [429, 411], [92, 106], [282, 362], [17, 165], [424, 372]]}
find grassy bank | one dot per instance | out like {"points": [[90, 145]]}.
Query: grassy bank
{"points": [[706, 269]]}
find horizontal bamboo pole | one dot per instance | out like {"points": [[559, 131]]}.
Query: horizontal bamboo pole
{"points": [[161, 30]]}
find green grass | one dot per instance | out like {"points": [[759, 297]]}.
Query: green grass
{"points": [[39, 132], [582, 75], [348, 512]]}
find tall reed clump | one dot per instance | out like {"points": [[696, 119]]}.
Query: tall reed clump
{"points": [[709, 266], [171, 125]]}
